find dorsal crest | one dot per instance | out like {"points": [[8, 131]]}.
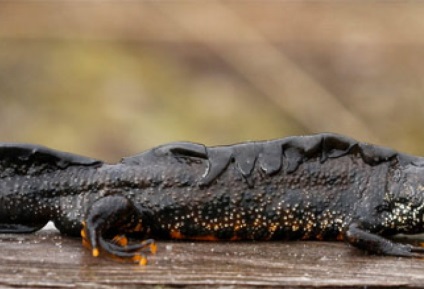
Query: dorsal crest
{"points": [[289, 153], [270, 156]]}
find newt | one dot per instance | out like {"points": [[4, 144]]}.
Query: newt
{"points": [[317, 187]]}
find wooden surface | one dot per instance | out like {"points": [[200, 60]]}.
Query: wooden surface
{"points": [[49, 260]]}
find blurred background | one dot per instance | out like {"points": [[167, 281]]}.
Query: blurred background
{"points": [[111, 78]]}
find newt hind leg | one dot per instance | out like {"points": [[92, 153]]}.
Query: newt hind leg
{"points": [[375, 244], [109, 222]]}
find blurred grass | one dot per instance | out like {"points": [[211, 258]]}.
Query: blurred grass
{"points": [[111, 100], [109, 79]]}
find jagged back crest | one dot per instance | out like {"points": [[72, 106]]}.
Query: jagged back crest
{"points": [[272, 156]]}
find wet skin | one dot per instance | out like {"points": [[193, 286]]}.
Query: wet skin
{"points": [[318, 187]]}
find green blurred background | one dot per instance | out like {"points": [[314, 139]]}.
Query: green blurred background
{"points": [[112, 78]]}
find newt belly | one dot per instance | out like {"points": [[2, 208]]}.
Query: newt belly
{"points": [[319, 187]]}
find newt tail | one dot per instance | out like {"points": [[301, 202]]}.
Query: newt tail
{"points": [[318, 187]]}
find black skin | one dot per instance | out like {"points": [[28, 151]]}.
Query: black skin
{"points": [[318, 187]]}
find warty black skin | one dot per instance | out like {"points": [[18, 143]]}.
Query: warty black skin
{"points": [[323, 187]]}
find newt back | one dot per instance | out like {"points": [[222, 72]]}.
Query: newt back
{"points": [[295, 188]]}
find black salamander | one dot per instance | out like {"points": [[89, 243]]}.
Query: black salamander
{"points": [[318, 187]]}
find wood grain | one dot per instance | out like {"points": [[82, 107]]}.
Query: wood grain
{"points": [[48, 260]]}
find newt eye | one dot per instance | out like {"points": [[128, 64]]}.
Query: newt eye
{"points": [[384, 207], [416, 201]]}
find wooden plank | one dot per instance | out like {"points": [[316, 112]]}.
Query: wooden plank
{"points": [[49, 260]]}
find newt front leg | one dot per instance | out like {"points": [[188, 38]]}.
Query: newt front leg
{"points": [[375, 244], [106, 226]]}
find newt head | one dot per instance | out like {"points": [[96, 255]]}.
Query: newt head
{"points": [[405, 201]]}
